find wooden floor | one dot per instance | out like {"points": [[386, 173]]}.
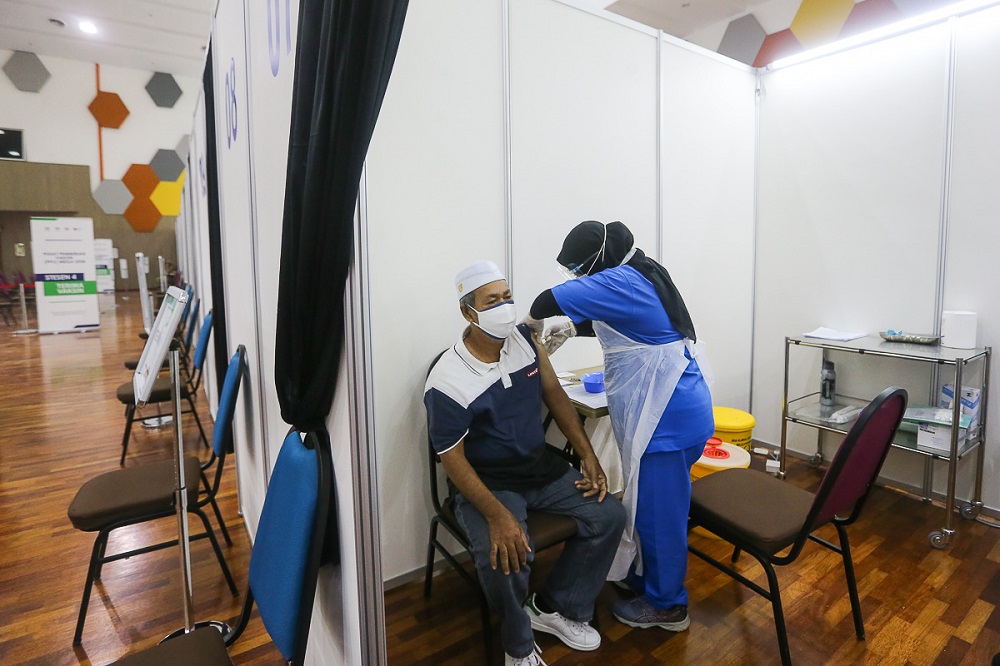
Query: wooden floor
{"points": [[60, 424], [921, 606]]}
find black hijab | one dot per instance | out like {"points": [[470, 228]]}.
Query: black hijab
{"points": [[582, 252]]}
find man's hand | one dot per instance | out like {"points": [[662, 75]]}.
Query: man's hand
{"points": [[594, 482], [508, 543]]}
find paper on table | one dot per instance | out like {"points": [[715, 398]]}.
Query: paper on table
{"points": [[579, 394], [833, 334]]}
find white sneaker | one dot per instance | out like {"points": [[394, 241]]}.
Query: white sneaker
{"points": [[533, 659], [577, 635]]}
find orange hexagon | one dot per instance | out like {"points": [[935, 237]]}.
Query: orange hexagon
{"points": [[108, 109], [142, 215], [141, 180]]}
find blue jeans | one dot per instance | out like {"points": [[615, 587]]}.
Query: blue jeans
{"points": [[577, 577]]}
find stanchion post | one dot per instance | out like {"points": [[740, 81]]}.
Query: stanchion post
{"points": [[24, 313], [180, 496]]}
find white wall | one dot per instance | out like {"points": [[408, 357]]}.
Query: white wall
{"points": [[583, 141], [708, 116], [436, 197], [59, 128]]}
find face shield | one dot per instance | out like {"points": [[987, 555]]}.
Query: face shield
{"points": [[573, 271]]}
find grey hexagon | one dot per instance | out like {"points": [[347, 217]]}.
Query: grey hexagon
{"points": [[183, 146], [112, 196], [26, 71], [743, 39], [167, 165], [163, 89]]}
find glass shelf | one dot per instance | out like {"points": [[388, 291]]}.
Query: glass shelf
{"points": [[873, 344], [808, 411]]}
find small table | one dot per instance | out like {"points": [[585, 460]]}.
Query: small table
{"points": [[589, 409]]}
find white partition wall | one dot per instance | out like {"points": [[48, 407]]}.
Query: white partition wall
{"points": [[435, 203], [707, 234], [583, 141], [851, 168], [233, 150], [974, 220]]}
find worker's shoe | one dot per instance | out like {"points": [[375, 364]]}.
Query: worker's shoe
{"points": [[577, 635], [641, 614], [533, 659]]}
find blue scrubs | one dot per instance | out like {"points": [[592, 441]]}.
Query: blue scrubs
{"points": [[625, 300]]}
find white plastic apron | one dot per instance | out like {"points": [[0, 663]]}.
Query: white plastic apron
{"points": [[640, 380]]}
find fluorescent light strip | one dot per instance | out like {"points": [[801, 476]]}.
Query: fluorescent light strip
{"points": [[885, 32], [88, 27]]}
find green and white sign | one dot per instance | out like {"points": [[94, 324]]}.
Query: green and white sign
{"points": [[62, 255]]}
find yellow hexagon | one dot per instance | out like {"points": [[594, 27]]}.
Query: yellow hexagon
{"points": [[167, 196], [819, 21]]}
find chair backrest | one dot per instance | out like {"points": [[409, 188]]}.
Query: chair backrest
{"points": [[856, 465], [434, 458], [190, 325], [223, 429], [202, 348], [284, 562]]}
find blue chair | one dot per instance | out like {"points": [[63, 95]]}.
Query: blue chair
{"points": [[146, 492], [162, 391], [284, 563]]}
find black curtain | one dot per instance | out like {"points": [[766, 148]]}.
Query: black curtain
{"points": [[219, 337], [343, 59]]}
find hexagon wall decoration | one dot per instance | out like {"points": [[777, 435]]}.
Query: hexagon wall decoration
{"points": [[26, 71], [167, 197], [183, 145], [142, 215], [167, 165], [112, 196], [743, 39], [141, 180], [108, 109], [819, 21], [163, 90]]}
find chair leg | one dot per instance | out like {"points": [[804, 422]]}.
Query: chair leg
{"points": [[736, 555], [852, 583], [100, 561], [129, 416], [99, 545], [218, 552], [218, 513], [779, 614], [429, 570], [194, 412], [484, 612]]}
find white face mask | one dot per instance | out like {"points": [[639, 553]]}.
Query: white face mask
{"points": [[497, 321]]}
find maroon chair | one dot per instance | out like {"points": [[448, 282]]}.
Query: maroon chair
{"points": [[763, 516]]}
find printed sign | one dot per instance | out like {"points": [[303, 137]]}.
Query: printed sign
{"points": [[105, 263], [62, 255]]}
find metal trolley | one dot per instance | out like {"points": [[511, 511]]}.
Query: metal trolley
{"points": [[806, 410]]}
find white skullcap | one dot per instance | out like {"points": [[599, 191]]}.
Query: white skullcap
{"points": [[476, 275]]}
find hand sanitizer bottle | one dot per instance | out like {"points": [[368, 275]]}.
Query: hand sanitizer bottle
{"points": [[827, 384]]}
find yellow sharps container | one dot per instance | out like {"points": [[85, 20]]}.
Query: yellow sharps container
{"points": [[734, 426]]}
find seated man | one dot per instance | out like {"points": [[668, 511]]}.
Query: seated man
{"points": [[484, 399]]}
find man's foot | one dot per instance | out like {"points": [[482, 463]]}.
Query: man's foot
{"points": [[641, 614], [578, 635], [533, 659]]}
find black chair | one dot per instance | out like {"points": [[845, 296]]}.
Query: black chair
{"points": [[284, 563], [162, 391], [763, 516], [545, 530], [146, 492]]}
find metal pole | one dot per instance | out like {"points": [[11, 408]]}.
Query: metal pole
{"points": [[180, 496], [24, 313]]}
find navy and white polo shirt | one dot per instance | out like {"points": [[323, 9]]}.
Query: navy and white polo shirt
{"points": [[496, 408]]}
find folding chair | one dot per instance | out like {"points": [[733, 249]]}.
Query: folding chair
{"points": [[162, 391], [544, 531], [146, 492], [764, 516], [284, 563]]}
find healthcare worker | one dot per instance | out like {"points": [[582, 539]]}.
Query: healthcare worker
{"points": [[658, 399]]}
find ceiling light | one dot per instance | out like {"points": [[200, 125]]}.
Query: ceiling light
{"points": [[56, 22], [88, 27], [892, 30]]}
